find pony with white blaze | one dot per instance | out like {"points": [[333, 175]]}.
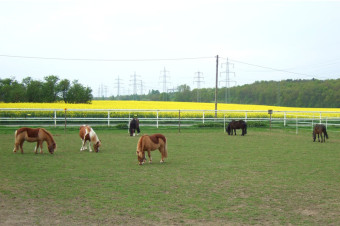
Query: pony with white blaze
{"points": [[86, 133]]}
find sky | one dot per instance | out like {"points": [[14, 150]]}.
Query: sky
{"points": [[121, 47]]}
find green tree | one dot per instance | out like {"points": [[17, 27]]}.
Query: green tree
{"points": [[34, 90], [12, 91], [79, 94], [183, 93], [63, 88], [50, 88]]}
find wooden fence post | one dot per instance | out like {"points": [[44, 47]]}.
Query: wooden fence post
{"points": [[65, 120], [179, 121]]}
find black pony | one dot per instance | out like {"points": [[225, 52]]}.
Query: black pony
{"points": [[233, 125], [134, 125], [319, 129]]}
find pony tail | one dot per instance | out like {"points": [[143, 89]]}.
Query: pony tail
{"points": [[326, 135], [165, 148], [140, 144]]}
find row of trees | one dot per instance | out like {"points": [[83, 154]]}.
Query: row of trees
{"points": [[290, 93], [52, 89], [294, 93]]}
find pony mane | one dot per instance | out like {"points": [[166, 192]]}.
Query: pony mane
{"points": [[140, 143], [48, 133]]}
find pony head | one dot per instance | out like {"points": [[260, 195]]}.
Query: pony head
{"points": [[141, 157], [228, 129], [314, 135], [97, 145], [52, 147]]}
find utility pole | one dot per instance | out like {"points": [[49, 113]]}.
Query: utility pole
{"points": [[216, 87], [118, 83], [164, 81], [198, 80]]}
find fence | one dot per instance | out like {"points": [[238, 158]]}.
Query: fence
{"points": [[157, 118]]}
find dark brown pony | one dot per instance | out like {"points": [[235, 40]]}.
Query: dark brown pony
{"points": [[38, 135], [134, 125], [151, 143], [234, 125], [319, 129]]}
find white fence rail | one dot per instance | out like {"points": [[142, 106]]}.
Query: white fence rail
{"points": [[62, 117]]}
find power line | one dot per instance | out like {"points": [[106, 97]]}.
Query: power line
{"points": [[198, 80], [134, 80], [273, 69], [165, 82], [103, 60], [118, 83], [227, 80]]}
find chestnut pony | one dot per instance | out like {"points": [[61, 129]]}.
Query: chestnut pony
{"points": [[151, 143], [86, 133], [319, 129], [38, 135]]}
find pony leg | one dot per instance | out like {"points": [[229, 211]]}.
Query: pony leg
{"points": [[150, 159], [144, 159], [83, 142], [36, 148], [41, 145], [16, 147], [90, 146], [22, 150], [321, 138], [162, 151]]}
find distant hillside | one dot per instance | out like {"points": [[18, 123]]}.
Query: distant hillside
{"points": [[290, 93]]}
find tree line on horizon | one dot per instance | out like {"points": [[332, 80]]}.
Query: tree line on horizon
{"points": [[312, 93], [290, 93], [51, 90]]}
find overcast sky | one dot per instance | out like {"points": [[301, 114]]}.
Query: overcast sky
{"points": [[95, 42]]}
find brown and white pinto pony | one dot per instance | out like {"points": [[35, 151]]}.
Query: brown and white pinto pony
{"points": [[38, 135], [86, 133], [151, 143]]}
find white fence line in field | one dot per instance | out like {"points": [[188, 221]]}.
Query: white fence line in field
{"points": [[287, 118]]}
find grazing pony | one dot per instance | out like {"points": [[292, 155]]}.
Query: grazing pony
{"points": [[151, 143], [319, 129], [86, 133], [38, 135], [233, 125], [134, 125]]}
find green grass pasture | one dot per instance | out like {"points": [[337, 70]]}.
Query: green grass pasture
{"points": [[266, 177]]}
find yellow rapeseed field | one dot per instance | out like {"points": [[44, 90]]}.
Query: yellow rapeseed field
{"points": [[134, 106], [158, 105]]}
